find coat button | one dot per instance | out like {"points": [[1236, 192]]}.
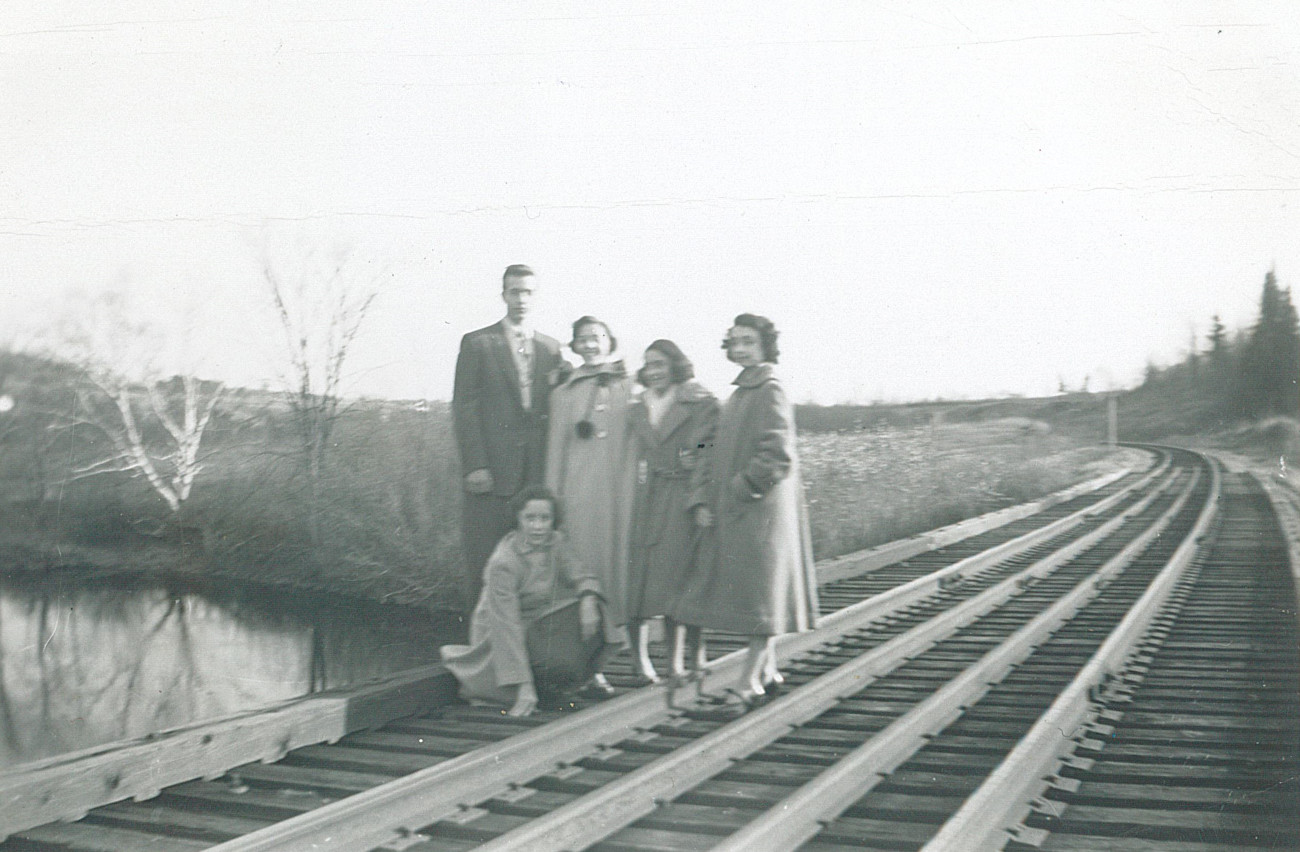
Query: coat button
{"points": [[602, 434]]}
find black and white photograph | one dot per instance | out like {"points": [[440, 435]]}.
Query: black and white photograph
{"points": [[649, 427]]}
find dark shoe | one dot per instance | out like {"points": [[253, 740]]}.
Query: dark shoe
{"points": [[775, 686], [717, 699], [750, 700], [726, 707], [597, 688], [733, 698]]}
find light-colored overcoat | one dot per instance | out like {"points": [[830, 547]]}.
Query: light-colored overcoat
{"points": [[757, 578], [517, 591], [664, 535], [593, 476]]}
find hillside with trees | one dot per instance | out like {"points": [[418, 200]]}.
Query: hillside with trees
{"points": [[1240, 385]]}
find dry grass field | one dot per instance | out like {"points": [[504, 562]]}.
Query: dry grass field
{"points": [[868, 487]]}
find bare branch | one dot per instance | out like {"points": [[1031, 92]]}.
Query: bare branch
{"points": [[132, 415], [321, 307]]}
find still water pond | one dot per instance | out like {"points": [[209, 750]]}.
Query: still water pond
{"points": [[86, 664]]}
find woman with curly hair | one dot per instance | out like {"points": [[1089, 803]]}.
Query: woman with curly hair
{"points": [[758, 578]]}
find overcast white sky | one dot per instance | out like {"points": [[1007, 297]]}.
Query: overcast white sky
{"points": [[958, 199]]}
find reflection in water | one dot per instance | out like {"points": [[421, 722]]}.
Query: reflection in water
{"points": [[88, 665]]}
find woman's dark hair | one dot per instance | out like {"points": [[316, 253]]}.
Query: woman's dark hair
{"points": [[537, 492], [767, 335], [590, 320], [680, 367]]}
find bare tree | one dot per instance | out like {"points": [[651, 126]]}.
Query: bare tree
{"points": [[182, 406], [321, 299], [154, 426]]}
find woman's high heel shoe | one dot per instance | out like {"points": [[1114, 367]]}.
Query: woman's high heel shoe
{"points": [[597, 687], [747, 700], [643, 679]]}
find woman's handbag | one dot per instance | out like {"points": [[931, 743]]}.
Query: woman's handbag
{"points": [[560, 658]]}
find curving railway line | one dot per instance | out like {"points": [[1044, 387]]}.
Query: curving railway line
{"points": [[1117, 672]]}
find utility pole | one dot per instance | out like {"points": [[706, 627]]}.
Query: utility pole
{"points": [[1112, 420]]}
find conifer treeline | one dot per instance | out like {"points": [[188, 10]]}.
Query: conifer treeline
{"points": [[1252, 373]]}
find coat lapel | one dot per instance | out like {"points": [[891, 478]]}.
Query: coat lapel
{"points": [[505, 363], [688, 396], [677, 414]]}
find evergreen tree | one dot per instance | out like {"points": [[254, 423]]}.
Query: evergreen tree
{"points": [[1217, 383], [1218, 339], [1269, 377]]}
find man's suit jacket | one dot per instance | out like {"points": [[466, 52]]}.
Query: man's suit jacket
{"points": [[493, 429]]}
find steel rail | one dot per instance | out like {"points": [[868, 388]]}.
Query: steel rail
{"points": [[599, 814], [990, 815], [801, 815], [391, 812]]}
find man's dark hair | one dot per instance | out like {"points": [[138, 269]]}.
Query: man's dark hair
{"points": [[515, 270]]}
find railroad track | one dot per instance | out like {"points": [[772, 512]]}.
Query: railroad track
{"points": [[926, 712]]}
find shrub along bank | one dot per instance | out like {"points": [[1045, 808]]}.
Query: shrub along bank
{"points": [[389, 496]]}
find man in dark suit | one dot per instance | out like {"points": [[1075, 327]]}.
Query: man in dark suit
{"points": [[500, 406]]}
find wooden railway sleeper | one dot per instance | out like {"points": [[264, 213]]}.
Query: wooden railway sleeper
{"points": [[951, 582], [515, 793], [1068, 785], [1032, 837], [1104, 689], [404, 839]]}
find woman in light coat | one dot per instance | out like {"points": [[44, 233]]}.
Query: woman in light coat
{"points": [[537, 628], [759, 580], [590, 462], [673, 422]]}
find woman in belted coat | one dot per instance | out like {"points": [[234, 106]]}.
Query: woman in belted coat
{"points": [[759, 581], [590, 463], [673, 423]]}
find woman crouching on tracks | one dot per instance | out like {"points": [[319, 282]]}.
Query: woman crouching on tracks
{"points": [[538, 629], [673, 423], [755, 575]]}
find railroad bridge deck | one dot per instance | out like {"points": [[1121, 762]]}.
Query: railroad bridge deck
{"points": [[1151, 617]]}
